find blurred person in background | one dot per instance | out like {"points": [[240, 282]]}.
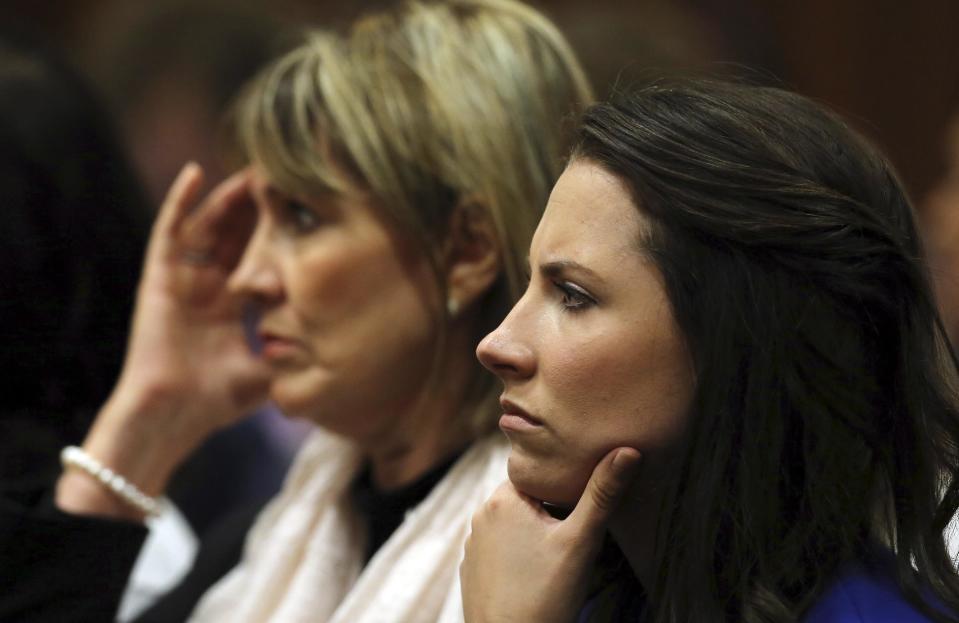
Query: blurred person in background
{"points": [[940, 220], [72, 233], [396, 174], [73, 230]]}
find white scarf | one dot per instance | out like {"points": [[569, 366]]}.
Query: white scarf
{"points": [[303, 558]]}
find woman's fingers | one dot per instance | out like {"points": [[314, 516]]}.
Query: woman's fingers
{"points": [[178, 202], [221, 226], [610, 479], [210, 215], [507, 499], [521, 564], [215, 231]]}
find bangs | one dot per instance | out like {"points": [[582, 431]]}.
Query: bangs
{"points": [[283, 126]]}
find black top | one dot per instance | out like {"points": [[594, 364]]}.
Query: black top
{"points": [[385, 510]]}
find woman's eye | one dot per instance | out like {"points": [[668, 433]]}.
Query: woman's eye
{"points": [[300, 216], [574, 298]]}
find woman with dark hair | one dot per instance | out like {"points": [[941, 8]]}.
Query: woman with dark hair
{"points": [[728, 280]]}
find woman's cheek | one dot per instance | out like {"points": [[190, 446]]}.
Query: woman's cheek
{"points": [[557, 474], [557, 482]]}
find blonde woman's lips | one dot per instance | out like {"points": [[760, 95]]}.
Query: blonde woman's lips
{"points": [[274, 347]]}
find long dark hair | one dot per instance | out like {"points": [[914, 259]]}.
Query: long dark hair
{"points": [[824, 425]]}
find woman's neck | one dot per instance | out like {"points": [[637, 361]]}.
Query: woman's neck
{"points": [[429, 429], [405, 460]]}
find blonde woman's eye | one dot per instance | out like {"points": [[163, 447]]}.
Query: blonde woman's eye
{"points": [[573, 298], [300, 215]]}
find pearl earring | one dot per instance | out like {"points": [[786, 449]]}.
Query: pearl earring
{"points": [[452, 307]]}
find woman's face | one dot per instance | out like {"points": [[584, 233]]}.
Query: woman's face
{"points": [[345, 317], [590, 357]]}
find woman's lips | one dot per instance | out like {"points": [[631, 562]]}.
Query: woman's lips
{"points": [[275, 347], [516, 419]]}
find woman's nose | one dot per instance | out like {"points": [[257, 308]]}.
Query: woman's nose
{"points": [[506, 356], [257, 276]]}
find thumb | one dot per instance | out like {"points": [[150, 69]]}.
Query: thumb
{"points": [[610, 479]]}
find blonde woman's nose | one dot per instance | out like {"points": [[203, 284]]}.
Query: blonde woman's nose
{"points": [[257, 276]]}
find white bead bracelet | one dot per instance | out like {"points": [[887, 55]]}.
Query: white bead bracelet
{"points": [[72, 456]]}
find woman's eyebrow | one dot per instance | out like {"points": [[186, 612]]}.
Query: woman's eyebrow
{"points": [[318, 196], [558, 268], [272, 193]]}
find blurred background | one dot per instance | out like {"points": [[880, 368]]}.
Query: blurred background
{"points": [[167, 70], [168, 67]]}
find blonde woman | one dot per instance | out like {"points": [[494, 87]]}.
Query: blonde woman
{"points": [[396, 175]]}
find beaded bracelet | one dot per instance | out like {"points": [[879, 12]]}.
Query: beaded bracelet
{"points": [[72, 456]]}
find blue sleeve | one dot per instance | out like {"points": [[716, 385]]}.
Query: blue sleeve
{"points": [[863, 596]]}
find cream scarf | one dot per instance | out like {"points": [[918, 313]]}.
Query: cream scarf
{"points": [[302, 560]]}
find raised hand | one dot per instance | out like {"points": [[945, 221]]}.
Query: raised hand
{"points": [[187, 341], [188, 370], [523, 565]]}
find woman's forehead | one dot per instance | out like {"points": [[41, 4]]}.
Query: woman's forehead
{"points": [[589, 206]]}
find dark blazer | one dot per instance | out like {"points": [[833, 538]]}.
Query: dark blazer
{"points": [[94, 558]]}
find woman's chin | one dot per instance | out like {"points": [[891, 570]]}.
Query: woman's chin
{"points": [[551, 483]]}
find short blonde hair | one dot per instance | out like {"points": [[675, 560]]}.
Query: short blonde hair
{"points": [[425, 106]]}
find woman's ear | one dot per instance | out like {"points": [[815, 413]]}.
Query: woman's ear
{"points": [[472, 254]]}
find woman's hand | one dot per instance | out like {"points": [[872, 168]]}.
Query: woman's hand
{"points": [[187, 342], [188, 369], [523, 565]]}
